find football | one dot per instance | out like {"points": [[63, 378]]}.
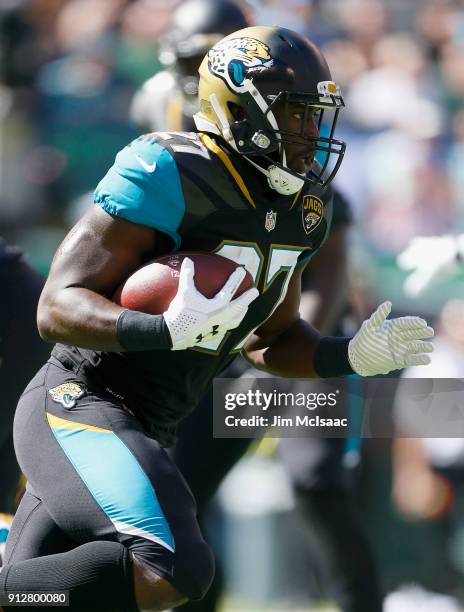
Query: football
{"points": [[151, 288]]}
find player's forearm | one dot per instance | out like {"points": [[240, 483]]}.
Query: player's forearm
{"points": [[79, 317], [292, 354]]}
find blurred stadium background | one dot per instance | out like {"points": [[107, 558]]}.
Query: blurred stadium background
{"points": [[68, 72]]}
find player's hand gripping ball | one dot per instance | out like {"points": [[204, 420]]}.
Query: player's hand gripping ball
{"points": [[200, 295]]}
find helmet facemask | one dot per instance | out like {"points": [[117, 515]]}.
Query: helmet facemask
{"points": [[260, 135], [326, 150]]}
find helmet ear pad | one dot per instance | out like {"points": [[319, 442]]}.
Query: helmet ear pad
{"points": [[251, 130]]}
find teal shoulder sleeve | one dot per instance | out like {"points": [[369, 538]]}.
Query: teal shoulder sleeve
{"points": [[144, 186]]}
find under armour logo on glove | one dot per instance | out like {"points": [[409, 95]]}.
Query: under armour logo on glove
{"points": [[214, 331], [192, 318]]}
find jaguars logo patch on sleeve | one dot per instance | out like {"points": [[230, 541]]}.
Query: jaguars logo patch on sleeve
{"points": [[67, 394]]}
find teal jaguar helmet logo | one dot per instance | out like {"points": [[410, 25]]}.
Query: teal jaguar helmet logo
{"points": [[67, 394], [230, 59]]}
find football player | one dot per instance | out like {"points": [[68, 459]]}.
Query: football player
{"points": [[22, 353], [106, 515], [169, 99]]}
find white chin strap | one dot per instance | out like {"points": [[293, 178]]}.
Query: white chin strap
{"points": [[278, 179]]}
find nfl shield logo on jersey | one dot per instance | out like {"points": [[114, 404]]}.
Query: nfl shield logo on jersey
{"points": [[270, 222]]}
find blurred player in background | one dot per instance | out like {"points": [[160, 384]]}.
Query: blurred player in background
{"points": [[324, 496], [428, 472], [106, 515], [22, 352], [428, 258], [168, 100]]}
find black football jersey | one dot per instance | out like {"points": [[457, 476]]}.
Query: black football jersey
{"points": [[205, 197]]}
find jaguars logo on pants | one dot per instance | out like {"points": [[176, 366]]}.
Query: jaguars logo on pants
{"points": [[67, 394]]}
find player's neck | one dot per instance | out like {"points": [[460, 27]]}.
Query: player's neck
{"points": [[254, 179]]}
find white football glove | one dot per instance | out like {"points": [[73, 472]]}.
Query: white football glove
{"points": [[192, 318], [428, 258], [381, 346]]}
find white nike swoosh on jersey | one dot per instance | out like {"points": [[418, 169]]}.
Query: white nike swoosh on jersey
{"points": [[148, 167]]}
